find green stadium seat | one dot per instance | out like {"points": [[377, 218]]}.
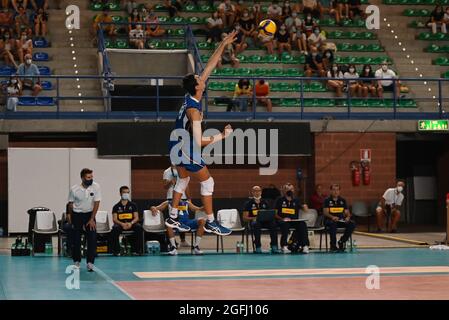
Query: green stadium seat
{"points": [[431, 2], [159, 7], [290, 102], [206, 8], [441, 61], [96, 7], [190, 8], [163, 19], [242, 58], [205, 45], [122, 44], [244, 72], [293, 72], [285, 87], [114, 6], [230, 86], [407, 103], [433, 48], [275, 86], [409, 13], [375, 103], [287, 58], [227, 71], [154, 44], [275, 72], [117, 19], [445, 75], [255, 59], [366, 35], [259, 72], [358, 47], [216, 86], [270, 58], [344, 46], [374, 47], [352, 35], [195, 20], [317, 87], [417, 24], [180, 45], [391, 2], [177, 20]]}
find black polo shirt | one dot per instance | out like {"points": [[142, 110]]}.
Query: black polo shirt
{"points": [[252, 207], [288, 208], [311, 62], [336, 207], [125, 213]]}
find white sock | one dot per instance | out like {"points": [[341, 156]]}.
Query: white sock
{"points": [[174, 213], [172, 242], [210, 217], [197, 241]]}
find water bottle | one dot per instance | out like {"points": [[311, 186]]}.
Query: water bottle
{"points": [[242, 247], [354, 246], [47, 248], [237, 247], [128, 249]]}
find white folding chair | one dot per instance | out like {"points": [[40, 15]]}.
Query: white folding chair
{"points": [[229, 218], [153, 224], [314, 224], [103, 221], [45, 223]]}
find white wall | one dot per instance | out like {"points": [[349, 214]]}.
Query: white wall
{"points": [[43, 176]]}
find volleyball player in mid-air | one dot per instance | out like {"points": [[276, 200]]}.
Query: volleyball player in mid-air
{"points": [[187, 154]]}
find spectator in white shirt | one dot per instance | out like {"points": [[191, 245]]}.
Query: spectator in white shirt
{"points": [[137, 37], [274, 12], [316, 39], [294, 26], [353, 85], [14, 90], [389, 206], [214, 27], [335, 84], [385, 84], [227, 13]]}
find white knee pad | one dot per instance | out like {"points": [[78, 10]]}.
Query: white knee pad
{"points": [[181, 184], [207, 187]]}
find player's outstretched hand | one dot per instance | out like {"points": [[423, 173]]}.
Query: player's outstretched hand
{"points": [[227, 131], [230, 38]]}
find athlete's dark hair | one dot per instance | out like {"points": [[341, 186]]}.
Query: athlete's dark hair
{"points": [[122, 188], [189, 83]]}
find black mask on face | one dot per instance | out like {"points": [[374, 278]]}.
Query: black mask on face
{"points": [[289, 194], [88, 182]]}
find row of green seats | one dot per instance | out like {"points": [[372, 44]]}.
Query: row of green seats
{"points": [[416, 13], [365, 35], [445, 75], [441, 61], [416, 2], [430, 36], [374, 47], [259, 72], [435, 48], [274, 86], [164, 19], [152, 44], [115, 6], [116, 44], [417, 24], [115, 18]]}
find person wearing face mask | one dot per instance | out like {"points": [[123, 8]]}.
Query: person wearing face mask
{"points": [[311, 7], [314, 64], [389, 206], [385, 84], [24, 47], [248, 26], [13, 90], [335, 84], [215, 27], [328, 59], [242, 93], [133, 18], [239, 8], [283, 40], [274, 12], [29, 73], [7, 47], [227, 13], [309, 25], [316, 39], [40, 23], [353, 84], [367, 85], [228, 56], [250, 210], [22, 21], [437, 18], [239, 44], [286, 9], [287, 208], [137, 37], [256, 11], [84, 201], [295, 28], [125, 215]]}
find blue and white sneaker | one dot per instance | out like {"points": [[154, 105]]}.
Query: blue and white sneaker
{"points": [[215, 227], [175, 224]]}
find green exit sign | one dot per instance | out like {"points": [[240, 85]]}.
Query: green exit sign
{"points": [[433, 125]]}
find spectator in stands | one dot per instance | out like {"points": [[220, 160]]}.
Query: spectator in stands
{"points": [[295, 27], [40, 23], [316, 39], [173, 7], [24, 46], [227, 12], [248, 26], [22, 21], [256, 12], [39, 4], [283, 40], [239, 43], [228, 56], [387, 85], [26, 70], [214, 27], [13, 91], [250, 211], [239, 8], [437, 18], [337, 215], [287, 208], [105, 17], [308, 25], [16, 4], [5, 4], [286, 9], [6, 17], [328, 59], [311, 7], [334, 11], [446, 16], [343, 9], [262, 92], [137, 37], [335, 84], [314, 64], [267, 41], [354, 8], [353, 84], [133, 18], [275, 12], [154, 29], [366, 84], [242, 93], [7, 47], [317, 199], [389, 206], [130, 6]]}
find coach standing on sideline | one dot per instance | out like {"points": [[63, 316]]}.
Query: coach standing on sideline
{"points": [[84, 200]]}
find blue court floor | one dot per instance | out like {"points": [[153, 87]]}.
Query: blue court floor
{"points": [[44, 277]]}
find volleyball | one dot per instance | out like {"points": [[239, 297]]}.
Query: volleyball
{"points": [[267, 27]]}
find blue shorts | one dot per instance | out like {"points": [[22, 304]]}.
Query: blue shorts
{"points": [[192, 223], [192, 162]]}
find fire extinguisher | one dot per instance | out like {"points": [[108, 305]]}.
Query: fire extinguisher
{"points": [[366, 172], [355, 172]]}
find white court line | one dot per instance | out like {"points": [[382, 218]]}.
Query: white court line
{"points": [[108, 279]]}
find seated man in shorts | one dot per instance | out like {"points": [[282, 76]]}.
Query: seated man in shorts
{"points": [[26, 70]]}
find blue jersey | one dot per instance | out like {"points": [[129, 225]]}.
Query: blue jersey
{"points": [[182, 121]]}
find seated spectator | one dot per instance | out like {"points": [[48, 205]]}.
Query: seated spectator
{"points": [[437, 18], [287, 208], [227, 13], [275, 12], [7, 48], [334, 10], [22, 21], [173, 7], [214, 27], [104, 18], [248, 26], [239, 8], [286, 9], [446, 16], [328, 59], [389, 207], [354, 8], [311, 7], [295, 28], [353, 85], [126, 218], [16, 4], [314, 64], [316, 39], [239, 43], [317, 199], [39, 4], [40, 23], [130, 6], [154, 28], [24, 46], [242, 93], [308, 25], [337, 215], [133, 18], [262, 92], [13, 91], [343, 8], [335, 84], [386, 85], [250, 210], [137, 37], [256, 12], [283, 40], [6, 17], [267, 42], [228, 56], [26, 70], [367, 85]]}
